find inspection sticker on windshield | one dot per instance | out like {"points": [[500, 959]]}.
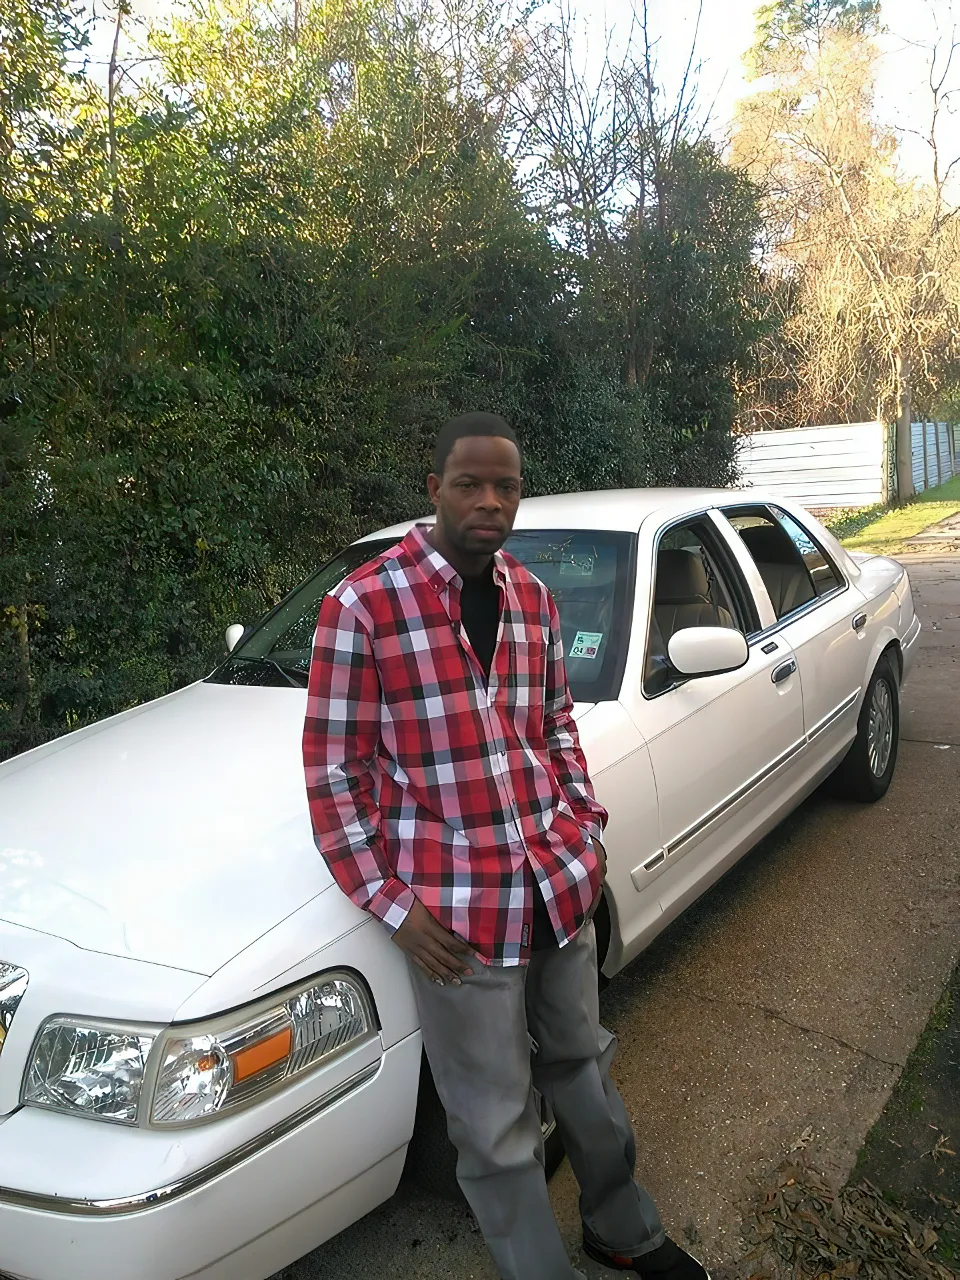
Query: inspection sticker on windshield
{"points": [[586, 644], [577, 566]]}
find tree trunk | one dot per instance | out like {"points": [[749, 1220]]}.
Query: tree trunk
{"points": [[23, 689], [905, 490], [113, 71]]}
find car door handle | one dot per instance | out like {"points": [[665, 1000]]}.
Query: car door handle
{"points": [[784, 671], [859, 622]]}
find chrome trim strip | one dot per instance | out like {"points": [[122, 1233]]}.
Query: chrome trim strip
{"points": [[833, 716], [718, 810], [192, 1181], [686, 836]]}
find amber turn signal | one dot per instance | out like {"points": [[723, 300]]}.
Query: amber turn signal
{"points": [[265, 1053]]}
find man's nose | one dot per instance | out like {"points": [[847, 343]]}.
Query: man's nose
{"points": [[489, 499]]}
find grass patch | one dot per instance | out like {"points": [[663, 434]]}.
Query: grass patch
{"points": [[844, 524], [885, 531]]}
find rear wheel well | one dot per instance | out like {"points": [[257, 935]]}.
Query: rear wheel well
{"points": [[894, 648]]}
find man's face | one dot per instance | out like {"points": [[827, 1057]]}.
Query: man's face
{"points": [[478, 494]]}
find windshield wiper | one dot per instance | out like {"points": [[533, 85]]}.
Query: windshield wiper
{"points": [[294, 676]]}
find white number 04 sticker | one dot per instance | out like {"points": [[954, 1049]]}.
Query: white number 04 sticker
{"points": [[586, 644]]}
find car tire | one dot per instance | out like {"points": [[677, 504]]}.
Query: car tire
{"points": [[866, 771], [432, 1158]]}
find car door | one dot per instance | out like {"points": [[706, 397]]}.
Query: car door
{"points": [[721, 746], [818, 614]]}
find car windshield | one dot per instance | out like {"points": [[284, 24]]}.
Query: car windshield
{"points": [[587, 571]]}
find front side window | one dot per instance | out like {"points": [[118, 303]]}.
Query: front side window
{"points": [[692, 588], [589, 574]]}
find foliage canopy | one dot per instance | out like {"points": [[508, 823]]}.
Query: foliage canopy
{"points": [[245, 279]]}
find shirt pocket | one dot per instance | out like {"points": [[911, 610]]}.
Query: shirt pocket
{"points": [[528, 672]]}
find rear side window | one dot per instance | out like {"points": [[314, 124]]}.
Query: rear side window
{"points": [[823, 573], [794, 569]]}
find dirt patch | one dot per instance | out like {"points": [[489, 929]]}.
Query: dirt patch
{"points": [[805, 1228], [913, 1151], [899, 1214]]}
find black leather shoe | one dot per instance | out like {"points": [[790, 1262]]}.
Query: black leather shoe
{"points": [[669, 1262]]}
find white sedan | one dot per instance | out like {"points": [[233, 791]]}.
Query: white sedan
{"points": [[209, 1058]]}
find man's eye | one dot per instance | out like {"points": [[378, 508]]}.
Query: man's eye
{"points": [[466, 484]]}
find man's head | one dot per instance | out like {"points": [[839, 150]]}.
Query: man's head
{"points": [[475, 486]]}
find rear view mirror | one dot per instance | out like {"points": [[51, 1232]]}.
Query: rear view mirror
{"points": [[707, 651], [234, 635]]}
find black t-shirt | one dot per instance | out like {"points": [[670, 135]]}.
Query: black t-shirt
{"points": [[480, 614]]}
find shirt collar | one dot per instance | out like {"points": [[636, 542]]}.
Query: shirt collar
{"points": [[438, 571]]}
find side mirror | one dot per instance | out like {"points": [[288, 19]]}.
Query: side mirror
{"points": [[707, 651], [234, 635]]}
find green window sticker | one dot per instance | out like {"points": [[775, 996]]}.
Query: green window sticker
{"points": [[586, 644]]}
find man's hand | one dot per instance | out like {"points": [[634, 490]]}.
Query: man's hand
{"points": [[432, 948], [601, 858]]}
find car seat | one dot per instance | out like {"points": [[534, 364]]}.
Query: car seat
{"points": [[783, 572], [682, 597]]}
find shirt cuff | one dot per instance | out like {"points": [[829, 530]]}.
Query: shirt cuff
{"points": [[392, 903], [592, 828]]}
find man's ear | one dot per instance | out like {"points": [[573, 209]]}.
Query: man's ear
{"points": [[433, 486]]}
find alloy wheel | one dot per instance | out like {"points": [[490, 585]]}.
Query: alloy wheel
{"points": [[880, 728]]}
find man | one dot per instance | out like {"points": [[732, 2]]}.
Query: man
{"points": [[450, 798]]}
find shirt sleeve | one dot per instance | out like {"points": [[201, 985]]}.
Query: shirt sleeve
{"points": [[563, 741], [341, 734]]}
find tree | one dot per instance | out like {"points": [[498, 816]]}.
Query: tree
{"points": [[246, 278], [864, 263], [659, 232]]}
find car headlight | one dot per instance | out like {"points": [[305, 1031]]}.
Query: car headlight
{"points": [[101, 1070], [217, 1066], [88, 1068]]}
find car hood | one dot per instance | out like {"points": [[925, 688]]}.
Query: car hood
{"points": [[176, 833]]}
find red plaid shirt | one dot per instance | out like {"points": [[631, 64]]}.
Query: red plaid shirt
{"points": [[425, 782]]}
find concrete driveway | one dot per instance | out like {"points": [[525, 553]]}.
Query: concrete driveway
{"points": [[777, 1013]]}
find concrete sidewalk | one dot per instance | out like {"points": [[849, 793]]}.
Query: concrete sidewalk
{"points": [[931, 708], [778, 1012]]}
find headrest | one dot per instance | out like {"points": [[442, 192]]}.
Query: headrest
{"points": [[769, 545], [681, 578]]}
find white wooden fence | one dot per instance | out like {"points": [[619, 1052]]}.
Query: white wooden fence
{"points": [[845, 465]]}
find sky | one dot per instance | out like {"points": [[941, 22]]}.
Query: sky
{"points": [[726, 30]]}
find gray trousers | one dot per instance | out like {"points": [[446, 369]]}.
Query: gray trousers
{"points": [[477, 1040]]}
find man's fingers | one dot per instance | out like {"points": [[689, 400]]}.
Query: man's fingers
{"points": [[449, 967], [449, 941], [422, 965]]}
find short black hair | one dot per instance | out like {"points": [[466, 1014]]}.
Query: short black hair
{"points": [[469, 424]]}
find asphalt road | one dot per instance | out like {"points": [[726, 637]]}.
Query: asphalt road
{"points": [[777, 1012]]}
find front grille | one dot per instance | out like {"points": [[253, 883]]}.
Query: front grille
{"points": [[13, 983]]}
